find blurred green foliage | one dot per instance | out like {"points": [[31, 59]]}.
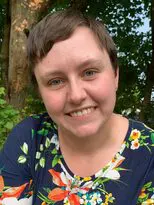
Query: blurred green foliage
{"points": [[8, 117]]}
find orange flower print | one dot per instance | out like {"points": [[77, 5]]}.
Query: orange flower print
{"points": [[135, 144], [135, 134], [1, 183], [148, 202], [68, 190], [142, 194], [58, 194], [73, 199], [146, 196], [13, 191]]}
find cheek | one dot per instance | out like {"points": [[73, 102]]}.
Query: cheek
{"points": [[103, 90], [54, 102]]}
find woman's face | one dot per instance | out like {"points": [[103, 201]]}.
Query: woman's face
{"points": [[78, 85]]}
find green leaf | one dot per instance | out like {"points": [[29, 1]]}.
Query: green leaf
{"points": [[22, 159], [9, 125], [2, 102], [2, 91]]}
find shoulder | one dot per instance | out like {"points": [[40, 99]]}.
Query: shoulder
{"points": [[28, 129], [140, 136], [24, 140], [140, 127], [33, 121]]}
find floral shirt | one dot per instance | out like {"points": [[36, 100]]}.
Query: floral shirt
{"points": [[33, 170]]}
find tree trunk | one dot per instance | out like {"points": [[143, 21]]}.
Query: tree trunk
{"points": [[5, 47], [24, 13]]}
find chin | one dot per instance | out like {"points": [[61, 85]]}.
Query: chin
{"points": [[85, 132], [82, 129]]}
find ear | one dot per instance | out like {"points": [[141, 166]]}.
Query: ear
{"points": [[117, 78]]}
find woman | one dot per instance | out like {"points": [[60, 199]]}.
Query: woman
{"points": [[80, 151]]}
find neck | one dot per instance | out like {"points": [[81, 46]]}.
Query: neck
{"points": [[89, 152]]}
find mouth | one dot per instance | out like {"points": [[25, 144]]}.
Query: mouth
{"points": [[82, 112]]}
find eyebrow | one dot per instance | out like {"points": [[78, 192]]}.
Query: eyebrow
{"points": [[52, 73], [89, 62], [81, 65]]}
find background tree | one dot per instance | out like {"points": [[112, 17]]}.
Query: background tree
{"points": [[4, 43], [148, 101], [19, 15]]}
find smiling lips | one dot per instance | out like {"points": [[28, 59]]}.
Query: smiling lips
{"points": [[82, 112]]}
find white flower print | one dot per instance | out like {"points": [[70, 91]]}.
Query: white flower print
{"points": [[135, 144], [55, 141], [15, 201], [110, 172]]}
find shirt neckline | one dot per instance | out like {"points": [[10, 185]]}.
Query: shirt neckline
{"points": [[117, 157]]}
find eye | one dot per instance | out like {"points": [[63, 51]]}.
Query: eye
{"points": [[56, 83], [90, 74]]}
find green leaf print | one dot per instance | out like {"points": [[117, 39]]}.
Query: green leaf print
{"points": [[43, 132], [42, 162], [33, 132], [36, 166], [41, 147], [47, 143], [55, 160], [152, 137], [24, 148], [38, 155], [54, 151], [148, 185], [47, 124], [146, 194], [127, 144], [22, 159]]}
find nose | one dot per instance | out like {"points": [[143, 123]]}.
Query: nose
{"points": [[76, 93]]}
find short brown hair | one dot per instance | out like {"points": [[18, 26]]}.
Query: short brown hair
{"points": [[60, 26]]}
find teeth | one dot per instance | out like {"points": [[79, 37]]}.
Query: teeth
{"points": [[82, 112]]}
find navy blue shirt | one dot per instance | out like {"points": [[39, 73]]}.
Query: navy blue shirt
{"points": [[34, 172]]}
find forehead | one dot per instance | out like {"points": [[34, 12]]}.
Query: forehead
{"points": [[82, 46], [82, 38]]}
